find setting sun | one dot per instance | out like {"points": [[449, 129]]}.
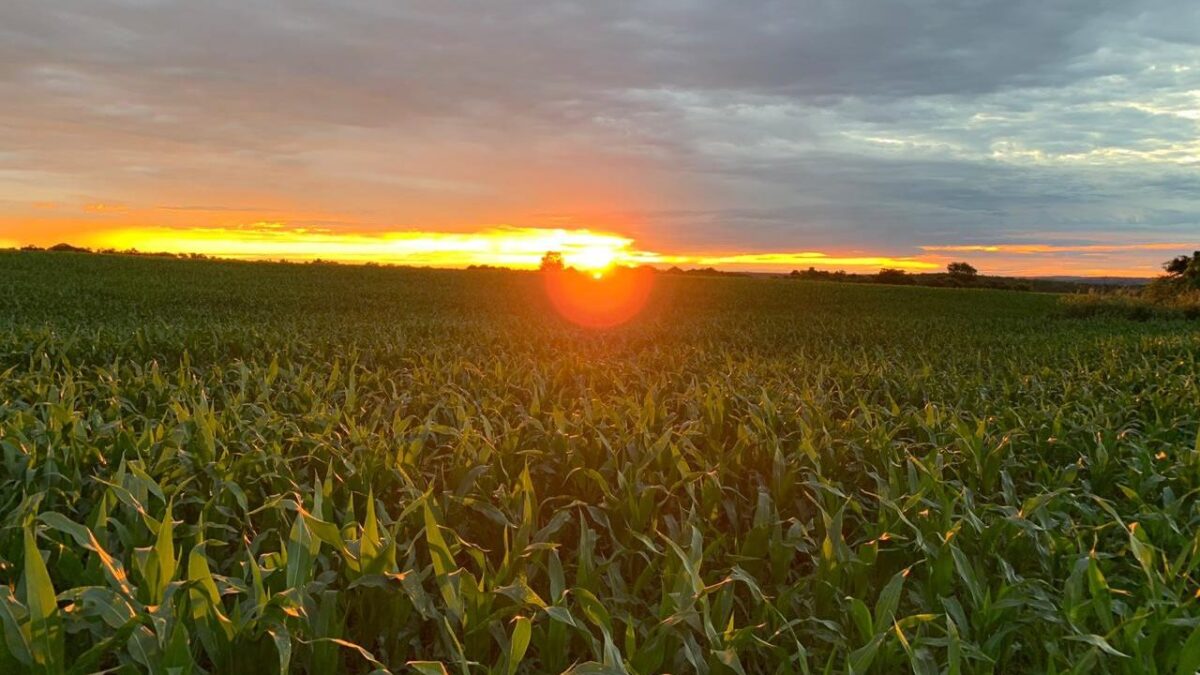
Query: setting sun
{"points": [[593, 259]]}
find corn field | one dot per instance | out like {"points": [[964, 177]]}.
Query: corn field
{"points": [[223, 467]]}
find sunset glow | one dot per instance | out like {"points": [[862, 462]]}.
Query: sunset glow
{"points": [[594, 249], [762, 138], [501, 246], [516, 247]]}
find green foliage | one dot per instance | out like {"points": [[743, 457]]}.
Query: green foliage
{"points": [[1184, 270], [1162, 300], [252, 468]]}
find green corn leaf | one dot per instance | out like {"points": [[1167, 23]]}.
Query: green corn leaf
{"points": [[331, 534], [518, 643], [862, 658], [283, 645], [370, 544], [177, 655], [443, 564], [1098, 641], [164, 551], [203, 596], [889, 599], [45, 627], [302, 549], [346, 644], [14, 617], [861, 616], [1189, 655]]}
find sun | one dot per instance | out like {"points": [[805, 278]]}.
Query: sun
{"points": [[592, 259]]}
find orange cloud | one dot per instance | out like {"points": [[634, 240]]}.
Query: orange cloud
{"points": [[790, 260], [1033, 249], [102, 207]]}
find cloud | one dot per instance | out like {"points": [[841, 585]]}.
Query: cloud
{"points": [[766, 125], [102, 207], [1050, 248]]}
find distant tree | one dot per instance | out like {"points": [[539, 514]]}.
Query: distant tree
{"points": [[1184, 270], [552, 262], [893, 276], [1183, 275], [962, 270], [68, 248], [813, 273]]}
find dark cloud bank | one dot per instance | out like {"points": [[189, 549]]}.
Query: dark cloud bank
{"points": [[765, 124]]}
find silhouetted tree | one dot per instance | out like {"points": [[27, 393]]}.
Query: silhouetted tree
{"points": [[552, 262], [888, 275], [962, 270], [67, 248], [1183, 275], [1184, 270], [811, 273]]}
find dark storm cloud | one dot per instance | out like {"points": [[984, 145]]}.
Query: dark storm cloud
{"points": [[788, 124]]}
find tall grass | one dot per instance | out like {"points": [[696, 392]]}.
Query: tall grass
{"points": [[1137, 304]]}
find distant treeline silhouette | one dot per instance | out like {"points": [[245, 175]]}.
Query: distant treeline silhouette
{"points": [[71, 248], [957, 275]]}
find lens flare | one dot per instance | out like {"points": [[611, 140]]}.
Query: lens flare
{"points": [[599, 300]]}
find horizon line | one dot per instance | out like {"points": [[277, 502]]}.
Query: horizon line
{"points": [[664, 267]]}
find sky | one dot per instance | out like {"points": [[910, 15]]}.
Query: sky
{"points": [[1026, 137]]}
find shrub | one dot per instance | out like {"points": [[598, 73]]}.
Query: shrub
{"points": [[1136, 304]]}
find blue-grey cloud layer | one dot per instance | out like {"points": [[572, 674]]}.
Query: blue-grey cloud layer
{"points": [[785, 124]]}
